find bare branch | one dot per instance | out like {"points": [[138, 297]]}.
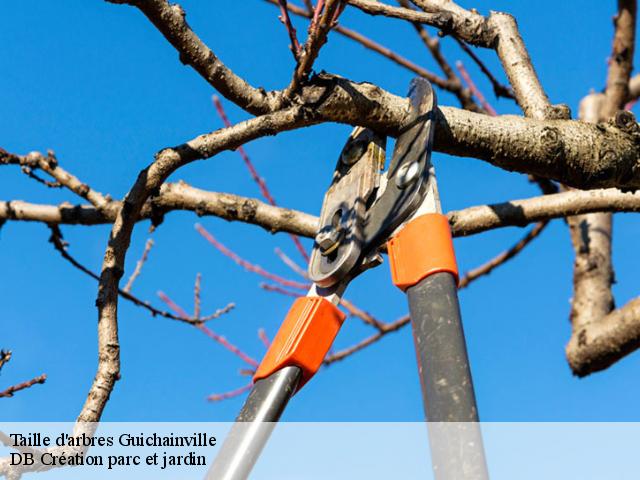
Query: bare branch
{"points": [[386, 329], [60, 246], [196, 296], [475, 90], [499, 89], [22, 386], [479, 219], [5, 356], [49, 164], [373, 7], [293, 36], [595, 343], [207, 331], [454, 84], [374, 46], [170, 20], [291, 264], [262, 184], [469, 221], [257, 269], [357, 312], [621, 62], [136, 272], [216, 397], [487, 267], [323, 22]]}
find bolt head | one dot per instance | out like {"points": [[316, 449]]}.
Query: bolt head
{"points": [[407, 174]]}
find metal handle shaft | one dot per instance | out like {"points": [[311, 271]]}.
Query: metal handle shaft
{"points": [[456, 448], [256, 421]]}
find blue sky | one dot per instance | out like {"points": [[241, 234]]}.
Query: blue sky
{"points": [[100, 86]]}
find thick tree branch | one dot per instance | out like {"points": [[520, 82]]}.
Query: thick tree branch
{"points": [[621, 61], [469, 221], [473, 220], [596, 343]]}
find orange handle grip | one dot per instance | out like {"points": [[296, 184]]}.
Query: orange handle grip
{"points": [[303, 339], [423, 247]]}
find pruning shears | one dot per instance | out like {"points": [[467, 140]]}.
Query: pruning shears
{"points": [[364, 211]]}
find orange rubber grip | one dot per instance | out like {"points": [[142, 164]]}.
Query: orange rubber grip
{"points": [[423, 247], [303, 339]]}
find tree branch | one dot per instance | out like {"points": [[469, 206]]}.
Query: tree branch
{"points": [[49, 164], [170, 20], [469, 221], [22, 386], [489, 266], [592, 346]]}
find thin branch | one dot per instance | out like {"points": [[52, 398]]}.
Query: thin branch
{"points": [[257, 269], [357, 312], [60, 246], [139, 264], [433, 45], [325, 17], [170, 20], [49, 164], [291, 264], [262, 335], [270, 287], [475, 90], [262, 184], [499, 89], [375, 47], [5, 356], [386, 329], [373, 7], [487, 267], [293, 36], [196, 296], [229, 346], [181, 312], [216, 397], [22, 386]]}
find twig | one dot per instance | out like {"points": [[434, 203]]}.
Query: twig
{"points": [[229, 346], [207, 331], [324, 19], [366, 317], [216, 397], [387, 328], [5, 356], [22, 386], [60, 245], [375, 47], [291, 264], [196, 296], [475, 90], [487, 267], [257, 269], [499, 89], [433, 45], [49, 164], [139, 264], [270, 287], [262, 335], [262, 184], [293, 36]]}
